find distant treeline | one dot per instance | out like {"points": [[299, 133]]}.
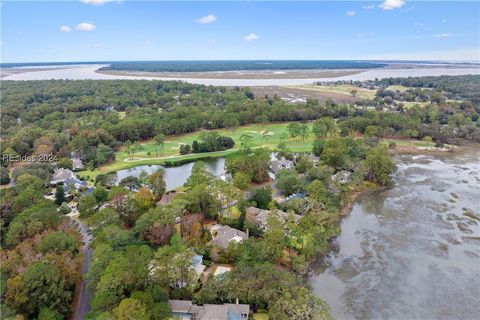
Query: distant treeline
{"points": [[198, 66], [96, 117], [454, 87]]}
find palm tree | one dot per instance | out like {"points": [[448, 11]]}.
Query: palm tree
{"points": [[128, 147], [245, 141]]}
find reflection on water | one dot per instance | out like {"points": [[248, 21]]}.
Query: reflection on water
{"points": [[411, 252], [174, 176]]}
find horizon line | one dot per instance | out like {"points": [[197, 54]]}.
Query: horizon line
{"points": [[236, 60]]}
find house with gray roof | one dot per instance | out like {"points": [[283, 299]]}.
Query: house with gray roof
{"points": [[60, 175], [223, 235], [277, 165], [186, 310], [260, 217]]}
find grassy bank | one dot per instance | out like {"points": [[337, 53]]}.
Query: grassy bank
{"points": [[264, 135], [345, 89]]}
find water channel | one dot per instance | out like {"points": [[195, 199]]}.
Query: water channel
{"points": [[411, 251]]}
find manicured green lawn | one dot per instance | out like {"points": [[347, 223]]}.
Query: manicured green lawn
{"points": [[172, 144], [149, 153], [410, 143]]}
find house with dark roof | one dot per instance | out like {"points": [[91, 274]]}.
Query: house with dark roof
{"points": [[186, 310], [74, 183]]}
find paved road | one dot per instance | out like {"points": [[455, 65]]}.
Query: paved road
{"points": [[83, 302]]}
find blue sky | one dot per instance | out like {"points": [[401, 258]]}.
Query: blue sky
{"points": [[90, 30]]}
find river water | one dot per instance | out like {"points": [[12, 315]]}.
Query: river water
{"points": [[410, 252], [88, 71]]}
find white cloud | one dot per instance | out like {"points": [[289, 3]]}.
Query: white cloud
{"points": [[250, 37], [65, 29], [444, 35], [206, 19], [369, 6], [212, 41], [350, 13], [96, 2], [391, 4], [85, 26]]}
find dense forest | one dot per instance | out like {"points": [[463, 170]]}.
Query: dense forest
{"points": [[201, 66], [95, 118], [40, 256], [454, 87], [144, 239]]}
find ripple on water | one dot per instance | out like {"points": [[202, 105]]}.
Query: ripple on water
{"points": [[408, 252]]}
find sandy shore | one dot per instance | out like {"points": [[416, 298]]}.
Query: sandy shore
{"points": [[6, 72], [247, 74]]}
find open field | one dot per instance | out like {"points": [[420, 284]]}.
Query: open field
{"points": [[296, 94], [146, 153], [397, 87], [343, 89], [409, 104]]}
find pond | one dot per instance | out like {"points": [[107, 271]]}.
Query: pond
{"points": [[174, 176]]}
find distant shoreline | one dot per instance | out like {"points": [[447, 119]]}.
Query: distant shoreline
{"points": [[243, 74], [246, 78]]}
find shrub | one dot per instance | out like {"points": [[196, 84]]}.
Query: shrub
{"points": [[241, 180], [184, 149]]}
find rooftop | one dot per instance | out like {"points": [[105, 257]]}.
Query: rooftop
{"points": [[223, 235], [277, 165], [60, 175], [228, 311], [260, 216]]}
